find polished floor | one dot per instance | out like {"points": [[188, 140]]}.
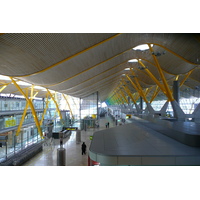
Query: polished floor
{"points": [[74, 157]]}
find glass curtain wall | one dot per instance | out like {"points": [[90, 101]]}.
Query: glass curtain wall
{"points": [[89, 111], [89, 106], [13, 144]]}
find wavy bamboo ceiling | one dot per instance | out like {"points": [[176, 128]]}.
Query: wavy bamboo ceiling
{"points": [[81, 64]]}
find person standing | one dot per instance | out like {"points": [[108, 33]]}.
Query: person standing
{"points": [[108, 124], [83, 147]]}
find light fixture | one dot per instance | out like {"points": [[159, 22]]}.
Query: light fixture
{"points": [[159, 53]]}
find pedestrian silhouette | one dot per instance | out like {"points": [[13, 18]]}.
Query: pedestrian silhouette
{"points": [[83, 148], [106, 125]]}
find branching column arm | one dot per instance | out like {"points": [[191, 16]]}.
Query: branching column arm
{"points": [[138, 90], [157, 90], [124, 96], [186, 77], [45, 110], [128, 92], [152, 77], [57, 107], [31, 106], [119, 95], [65, 97], [168, 91]]}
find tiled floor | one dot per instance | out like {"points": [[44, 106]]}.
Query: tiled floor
{"points": [[48, 157]]}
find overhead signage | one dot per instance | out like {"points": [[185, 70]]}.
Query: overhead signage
{"points": [[71, 128]]}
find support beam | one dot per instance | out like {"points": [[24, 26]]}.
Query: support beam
{"points": [[131, 96], [45, 110], [31, 106], [157, 90], [22, 119], [153, 77], [168, 92], [137, 89], [65, 97], [123, 95], [186, 77], [57, 107], [25, 110], [176, 92], [139, 86], [3, 88]]}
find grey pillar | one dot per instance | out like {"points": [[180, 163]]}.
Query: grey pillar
{"points": [[176, 92], [196, 114], [61, 156], [141, 104], [78, 136], [129, 101], [164, 108], [178, 112], [97, 105], [150, 109], [137, 109], [80, 109]]}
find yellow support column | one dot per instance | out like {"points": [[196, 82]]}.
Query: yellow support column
{"points": [[152, 77], [157, 90], [3, 88], [137, 89], [186, 77], [57, 107], [115, 99], [25, 110], [137, 96], [45, 110], [22, 119], [139, 86], [124, 96], [119, 97], [31, 106], [128, 92], [65, 97], [168, 91]]}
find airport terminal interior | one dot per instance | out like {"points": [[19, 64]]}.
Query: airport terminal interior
{"points": [[132, 98]]}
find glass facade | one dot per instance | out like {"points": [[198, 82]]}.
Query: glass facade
{"points": [[89, 106], [8, 104], [13, 144], [11, 111]]}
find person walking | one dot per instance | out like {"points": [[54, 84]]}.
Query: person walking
{"points": [[83, 147], [108, 124]]}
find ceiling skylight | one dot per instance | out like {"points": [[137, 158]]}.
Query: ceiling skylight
{"points": [[142, 47], [23, 83], [133, 60], [4, 77]]}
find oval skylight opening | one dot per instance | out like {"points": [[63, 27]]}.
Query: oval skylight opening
{"points": [[142, 47], [133, 60]]}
